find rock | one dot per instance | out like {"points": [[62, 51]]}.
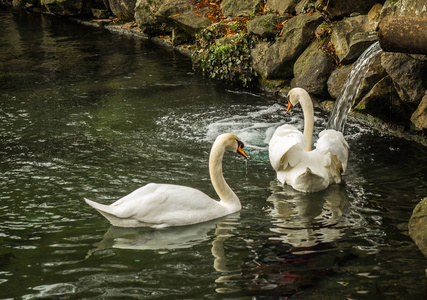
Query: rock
{"points": [[374, 74], [145, 11], [100, 13], [403, 34], [374, 17], [409, 75], [351, 39], [419, 117], [336, 80], [384, 102], [407, 8], [418, 226], [341, 8], [240, 8], [327, 105], [312, 70], [170, 16], [282, 6], [123, 9], [64, 7], [265, 25], [302, 6], [277, 60], [180, 15]]}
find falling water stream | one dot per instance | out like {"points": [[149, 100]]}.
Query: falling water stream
{"points": [[350, 89], [84, 113]]}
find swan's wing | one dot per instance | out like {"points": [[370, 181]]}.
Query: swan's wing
{"points": [[285, 140], [172, 204], [333, 142], [156, 204]]}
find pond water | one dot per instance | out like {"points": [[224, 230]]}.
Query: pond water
{"points": [[85, 113]]}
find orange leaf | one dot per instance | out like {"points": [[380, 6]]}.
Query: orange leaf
{"points": [[175, 15]]}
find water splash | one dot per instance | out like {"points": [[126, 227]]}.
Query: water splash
{"points": [[346, 98]]}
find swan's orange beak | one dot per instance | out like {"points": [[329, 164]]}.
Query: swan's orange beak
{"points": [[289, 106], [240, 151]]}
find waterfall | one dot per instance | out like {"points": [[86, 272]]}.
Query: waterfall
{"points": [[348, 93]]}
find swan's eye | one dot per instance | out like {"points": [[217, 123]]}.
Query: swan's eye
{"points": [[240, 144]]}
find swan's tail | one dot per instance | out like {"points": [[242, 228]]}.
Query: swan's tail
{"points": [[100, 207], [111, 215]]}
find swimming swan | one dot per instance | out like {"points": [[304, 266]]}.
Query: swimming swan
{"points": [[290, 152], [163, 205]]}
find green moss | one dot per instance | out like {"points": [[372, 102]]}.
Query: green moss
{"points": [[227, 58]]}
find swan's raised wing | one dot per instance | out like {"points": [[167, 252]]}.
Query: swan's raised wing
{"points": [[285, 139], [333, 142]]}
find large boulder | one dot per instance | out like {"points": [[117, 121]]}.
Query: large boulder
{"points": [[351, 38], [277, 61], [65, 7], [383, 102], [342, 8], [265, 25], [123, 9], [240, 8], [419, 117], [418, 226], [312, 70], [409, 76], [282, 6]]}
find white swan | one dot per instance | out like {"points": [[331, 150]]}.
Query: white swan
{"points": [[290, 152], [163, 205]]}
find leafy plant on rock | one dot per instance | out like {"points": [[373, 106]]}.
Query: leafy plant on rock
{"points": [[226, 57]]}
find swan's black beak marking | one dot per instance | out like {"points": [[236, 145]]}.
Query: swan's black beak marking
{"points": [[240, 151], [288, 103]]}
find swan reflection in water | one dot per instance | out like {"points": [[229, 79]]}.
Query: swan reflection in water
{"points": [[180, 237], [307, 220]]}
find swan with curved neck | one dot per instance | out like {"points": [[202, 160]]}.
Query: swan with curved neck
{"points": [[291, 153], [162, 205]]}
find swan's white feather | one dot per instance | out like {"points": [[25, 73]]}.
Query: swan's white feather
{"points": [[285, 138], [332, 141]]}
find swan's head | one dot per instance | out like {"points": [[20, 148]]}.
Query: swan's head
{"points": [[232, 143], [295, 96]]}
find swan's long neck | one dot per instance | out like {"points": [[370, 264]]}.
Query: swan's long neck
{"points": [[226, 195], [307, 109]]}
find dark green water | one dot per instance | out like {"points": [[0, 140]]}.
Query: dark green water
{"points": [[84, 113]]}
